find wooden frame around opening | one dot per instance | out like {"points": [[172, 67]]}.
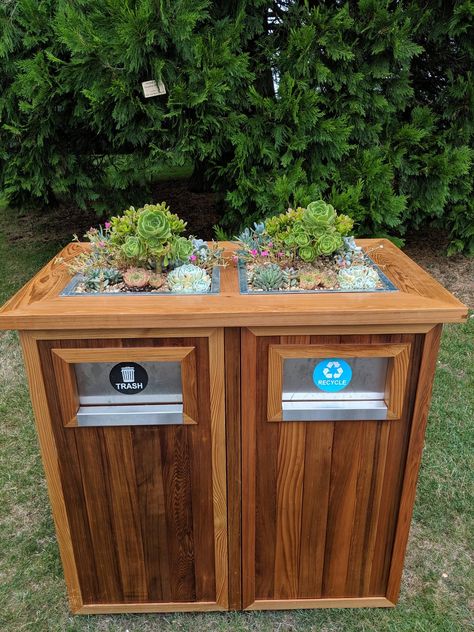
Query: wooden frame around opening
{"points": [[398, 355], [64, 360]]}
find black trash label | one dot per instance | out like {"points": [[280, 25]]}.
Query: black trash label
{"points": [[128, 378]]}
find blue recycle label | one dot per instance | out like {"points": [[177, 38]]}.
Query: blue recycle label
{"points": [[332, 375]]}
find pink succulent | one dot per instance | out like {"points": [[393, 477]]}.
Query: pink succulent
{"points": [[235, 258], [107, 225], [192, 258], [254, 252], [280, 254], [264, 253]]}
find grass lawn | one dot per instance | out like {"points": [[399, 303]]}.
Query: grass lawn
{"points": [[438, 582]]}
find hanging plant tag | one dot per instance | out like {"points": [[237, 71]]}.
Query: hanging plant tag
{"points": [[153, 88]]}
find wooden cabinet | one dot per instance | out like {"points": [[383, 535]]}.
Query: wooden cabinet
{"points": [[240, 498]]}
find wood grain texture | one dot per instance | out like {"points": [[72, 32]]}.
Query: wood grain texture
{"points": [[296, 604], [143, 514], [420, 300], [415, 450], [320, 500], [234, 468], [49, 455]]}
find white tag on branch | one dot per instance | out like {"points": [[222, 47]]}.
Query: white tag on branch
{"points": [[153, 88]]}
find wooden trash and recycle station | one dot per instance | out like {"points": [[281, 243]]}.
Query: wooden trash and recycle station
{"points": [[232, 451]]}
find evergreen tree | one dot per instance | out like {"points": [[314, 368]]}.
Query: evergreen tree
{"points": [[368, 103]]}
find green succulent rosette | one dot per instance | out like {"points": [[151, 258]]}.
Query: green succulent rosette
{"points": [[329, 243], [289, 240], [132, 248], [307, 253], [302, 238], [319, 215], [153, 225], [181, 249]]}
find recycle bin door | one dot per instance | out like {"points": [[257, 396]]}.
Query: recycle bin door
{"points": [[325, 427], [138, 426]]}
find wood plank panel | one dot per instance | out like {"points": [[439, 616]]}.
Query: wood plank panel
{"points": [[152, 512], [234, 468], [265, 444], [427, 369], [289, 496], [201, 483]]}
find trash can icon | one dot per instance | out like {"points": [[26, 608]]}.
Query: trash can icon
{"points": [[128, 373]]}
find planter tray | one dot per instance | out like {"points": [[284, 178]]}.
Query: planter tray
{"points": [[70, 288], [387, 285]]}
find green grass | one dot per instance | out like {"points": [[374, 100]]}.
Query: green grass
{"points": [[438, 581]]}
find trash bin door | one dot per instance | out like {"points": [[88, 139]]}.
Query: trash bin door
{"points": [[323, 466], [138, 427]]}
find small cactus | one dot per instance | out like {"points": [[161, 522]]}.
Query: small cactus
{"points": [[136, 278], [97, 279], [188, 279], [269, 278]]}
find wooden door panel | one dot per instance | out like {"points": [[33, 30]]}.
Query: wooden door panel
{"points": [[320, 499], [144, 503]]}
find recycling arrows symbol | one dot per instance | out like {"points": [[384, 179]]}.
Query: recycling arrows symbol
{"points": [[334, 374]]}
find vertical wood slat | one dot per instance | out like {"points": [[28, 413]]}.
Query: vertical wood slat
{"points": [[392, 478], [178, 503], [99, 514], [149, 475], [234, 470], [201, 485], [264, 441], [249, 382], [289, 494], [289, 497], [429, 355]]}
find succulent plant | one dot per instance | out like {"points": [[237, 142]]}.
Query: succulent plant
{"points": [[132, 247], [269, 277], [188, 278], [156, 280], [358, 278], [308, 253], [344, 224], [136, 278], [180, 249], [153, 224], [314, 280], [319, 215], [97, 279], [328, 243]]}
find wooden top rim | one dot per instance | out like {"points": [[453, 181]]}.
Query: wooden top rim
{"points": [[420, 299]]}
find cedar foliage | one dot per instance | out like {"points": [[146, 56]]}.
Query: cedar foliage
{"points": [[367, 103]]}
